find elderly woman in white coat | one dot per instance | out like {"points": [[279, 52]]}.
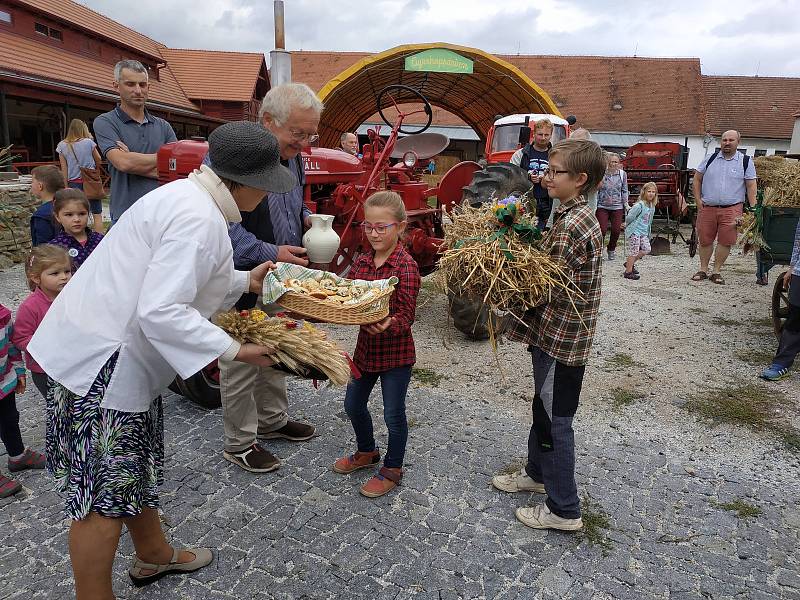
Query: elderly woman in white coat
{"points": [[149, 288]]}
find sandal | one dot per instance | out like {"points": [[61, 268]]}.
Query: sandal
{"points": [[384, 481], [699, 276], [717, 278], [202, 558]]}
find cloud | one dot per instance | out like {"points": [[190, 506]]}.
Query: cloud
{"points": [[729, 36]]}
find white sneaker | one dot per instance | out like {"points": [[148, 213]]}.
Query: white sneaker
{"points": [[612, 255], [540, 517], [517, 482]]}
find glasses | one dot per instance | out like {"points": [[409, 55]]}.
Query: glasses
{"points": [[300, 136], [551, 173], [379, 228]]}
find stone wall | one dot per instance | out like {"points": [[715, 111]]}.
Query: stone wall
{"points": [[16, 207]]}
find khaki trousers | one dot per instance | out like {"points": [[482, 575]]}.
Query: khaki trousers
{"points": [[254, 402]]}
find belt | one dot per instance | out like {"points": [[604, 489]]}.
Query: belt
{"points": [[722, 205]]}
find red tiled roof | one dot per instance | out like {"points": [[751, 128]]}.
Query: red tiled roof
{"points": [[657, 95], [27, 56], [210, 75], [80, 16], [761, 107]]}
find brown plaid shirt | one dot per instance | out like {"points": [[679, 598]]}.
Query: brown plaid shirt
{"points": [[556, 328]]}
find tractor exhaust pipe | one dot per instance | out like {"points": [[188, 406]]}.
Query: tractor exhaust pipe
{"points": [[280, 60]]}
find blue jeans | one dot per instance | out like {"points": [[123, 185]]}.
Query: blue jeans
{"points": [[394, 385]]}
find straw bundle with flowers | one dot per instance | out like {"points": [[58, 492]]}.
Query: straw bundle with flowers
{"points": [[299, 346], [494, 253]]}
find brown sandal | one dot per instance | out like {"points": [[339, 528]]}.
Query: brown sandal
{"points": [[699, 276], [384, 481], [717, 278]]}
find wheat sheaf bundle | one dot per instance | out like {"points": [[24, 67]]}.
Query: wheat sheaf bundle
{"points": [[297, 344], [750, 237], [767, 167], [784, 186], [504, 271]]}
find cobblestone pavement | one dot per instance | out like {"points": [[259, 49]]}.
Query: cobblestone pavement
{"points": [[305, 532]]}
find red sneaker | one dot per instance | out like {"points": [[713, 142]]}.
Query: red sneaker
{"points": [[8, 487], [354, 462], [383, 482], [30, 459]]}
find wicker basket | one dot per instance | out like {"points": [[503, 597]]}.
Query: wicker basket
{"points": [[370, 311]]}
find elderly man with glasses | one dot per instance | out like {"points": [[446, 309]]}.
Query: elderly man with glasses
{"points": [[254, 399]]}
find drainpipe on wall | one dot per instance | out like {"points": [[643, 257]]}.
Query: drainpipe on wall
{"points": [[5, 136], [280, 61]]}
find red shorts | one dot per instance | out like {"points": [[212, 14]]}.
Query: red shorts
{"points": [[718, 223]]}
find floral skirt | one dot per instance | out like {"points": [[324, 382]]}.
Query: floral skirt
{"points": [[104, 461]]}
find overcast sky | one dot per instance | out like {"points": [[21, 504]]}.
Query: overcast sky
{"points": [[731, 37]]}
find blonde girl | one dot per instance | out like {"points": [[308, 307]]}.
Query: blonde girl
{"points": [[48, 269], [384, 350], [638, 224], [78, 150]]}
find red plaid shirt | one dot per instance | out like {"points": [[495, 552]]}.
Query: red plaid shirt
{"points": [[395, 346]]}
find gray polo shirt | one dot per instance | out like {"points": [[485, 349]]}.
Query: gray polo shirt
{"points": [[146, 138], [724, 180]]}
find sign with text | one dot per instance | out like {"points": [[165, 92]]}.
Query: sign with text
{"points": [[438, 60]]}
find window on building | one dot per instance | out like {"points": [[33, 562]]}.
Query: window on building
{"points": [[780, 152], [50, 32], [5, 17], [56, 34], [760, 152], [742, 150], [41, 28]]}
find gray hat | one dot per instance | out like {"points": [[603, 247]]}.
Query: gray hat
{"points": [[248, 154]]}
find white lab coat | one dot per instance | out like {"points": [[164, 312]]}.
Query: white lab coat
{"points": [[148, 291]]}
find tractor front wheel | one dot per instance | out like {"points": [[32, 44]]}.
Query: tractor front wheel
{"points": [[495, 182]]}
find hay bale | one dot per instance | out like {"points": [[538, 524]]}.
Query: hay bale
{"points": [[784, 186]]}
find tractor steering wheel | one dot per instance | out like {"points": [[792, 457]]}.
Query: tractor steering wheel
{"points": [[414, 92]]}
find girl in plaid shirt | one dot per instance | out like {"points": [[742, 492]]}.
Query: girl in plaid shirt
{"points": [[385, 350]]}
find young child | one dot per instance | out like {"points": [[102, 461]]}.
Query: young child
{"points": [[638, 224], [46, 180], [789, 344], [48, 269], [385, 350], [71, 212], [12, 382], [612, 201], [559, 336]]}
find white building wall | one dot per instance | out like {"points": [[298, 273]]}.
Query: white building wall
{"points": [[794, 147]]}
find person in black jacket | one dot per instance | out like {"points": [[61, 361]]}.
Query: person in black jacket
{"points": [[533, 158]]}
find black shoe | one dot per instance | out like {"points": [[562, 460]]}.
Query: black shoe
{"points": [[632, 275], [254, 459], [294, 431]]}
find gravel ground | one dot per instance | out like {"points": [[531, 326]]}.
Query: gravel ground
{"points": [[658, 473]]}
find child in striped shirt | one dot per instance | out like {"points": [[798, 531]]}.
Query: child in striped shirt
{"points": [[12, 382]]}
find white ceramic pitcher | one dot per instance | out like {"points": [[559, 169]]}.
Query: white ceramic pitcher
{"points": [[321, 241]]}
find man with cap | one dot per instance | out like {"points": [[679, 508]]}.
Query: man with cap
{"points": [[158, 276]]}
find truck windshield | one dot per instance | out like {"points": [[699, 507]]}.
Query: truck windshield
{"points": [[506, 137]]}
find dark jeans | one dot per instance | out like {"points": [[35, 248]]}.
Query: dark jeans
{"points": [[544, 206], [551, 441], [9, 426], [613, 218], [789, 345], [40, 380], [394, 384]]}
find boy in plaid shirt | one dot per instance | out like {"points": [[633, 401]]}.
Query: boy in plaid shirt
{"points": [[384, 350], [559, 336]]}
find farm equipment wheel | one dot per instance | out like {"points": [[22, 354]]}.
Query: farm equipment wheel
{"points": [[470, 316], [417, 96], [202, 388], [693, 238], [496, 181], [780, 305]]}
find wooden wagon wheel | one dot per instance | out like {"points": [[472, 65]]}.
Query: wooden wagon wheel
{"points": [[780, 305]]}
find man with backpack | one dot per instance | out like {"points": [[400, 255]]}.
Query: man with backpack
{"points": [[722, 184], [534, 159]]}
